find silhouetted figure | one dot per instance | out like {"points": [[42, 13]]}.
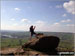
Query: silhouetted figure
{"points": [[32, 28]]}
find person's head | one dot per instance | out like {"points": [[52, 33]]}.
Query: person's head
{"points": [[31, 26]]}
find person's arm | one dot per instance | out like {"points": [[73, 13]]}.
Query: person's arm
{"points": [[34, 27]]}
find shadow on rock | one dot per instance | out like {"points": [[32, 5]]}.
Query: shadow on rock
{"points": [[46, 44]]}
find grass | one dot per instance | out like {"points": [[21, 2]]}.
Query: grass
{"points": [[64, 45], [12, 42]]}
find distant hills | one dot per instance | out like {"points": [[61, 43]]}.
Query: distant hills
{"points": [[26, 34]]}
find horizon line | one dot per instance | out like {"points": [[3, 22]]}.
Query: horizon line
{"points": [[37, 31]]}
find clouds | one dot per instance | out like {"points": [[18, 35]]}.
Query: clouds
{"points": [[63, 26], [56, 24], [16, 27], [69, 6], [59, 6], [56, 6], [40, 22], [64, 15], [43, 26], [25, 20], [17, 9], [66, 21], [47, 16], [12, 19], [15, 24], [71, 25], [22, 20]]}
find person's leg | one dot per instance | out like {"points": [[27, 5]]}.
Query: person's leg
{"points": [[31, 35], [35, 34]]}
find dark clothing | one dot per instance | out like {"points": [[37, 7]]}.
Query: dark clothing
{"points": [[32, 31]]}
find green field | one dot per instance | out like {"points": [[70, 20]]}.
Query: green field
{"points": [[12, 42], [16, 42], [66, 39]]}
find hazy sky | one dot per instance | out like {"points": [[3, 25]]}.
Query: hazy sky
{"points": [[46, 15]]}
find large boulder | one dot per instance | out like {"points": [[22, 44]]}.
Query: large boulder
{"points": [[46, 44]]}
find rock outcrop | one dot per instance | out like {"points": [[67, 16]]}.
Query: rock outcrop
{"points": [[44, 44]]}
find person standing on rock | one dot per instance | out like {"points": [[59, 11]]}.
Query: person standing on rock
{"points": [[32, 28]]}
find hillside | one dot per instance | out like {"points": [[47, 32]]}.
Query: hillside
{"points": [[66, 43], [44, 44]]}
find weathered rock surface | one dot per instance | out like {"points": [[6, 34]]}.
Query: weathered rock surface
{"points": [[45, 44], [42, 45]]}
